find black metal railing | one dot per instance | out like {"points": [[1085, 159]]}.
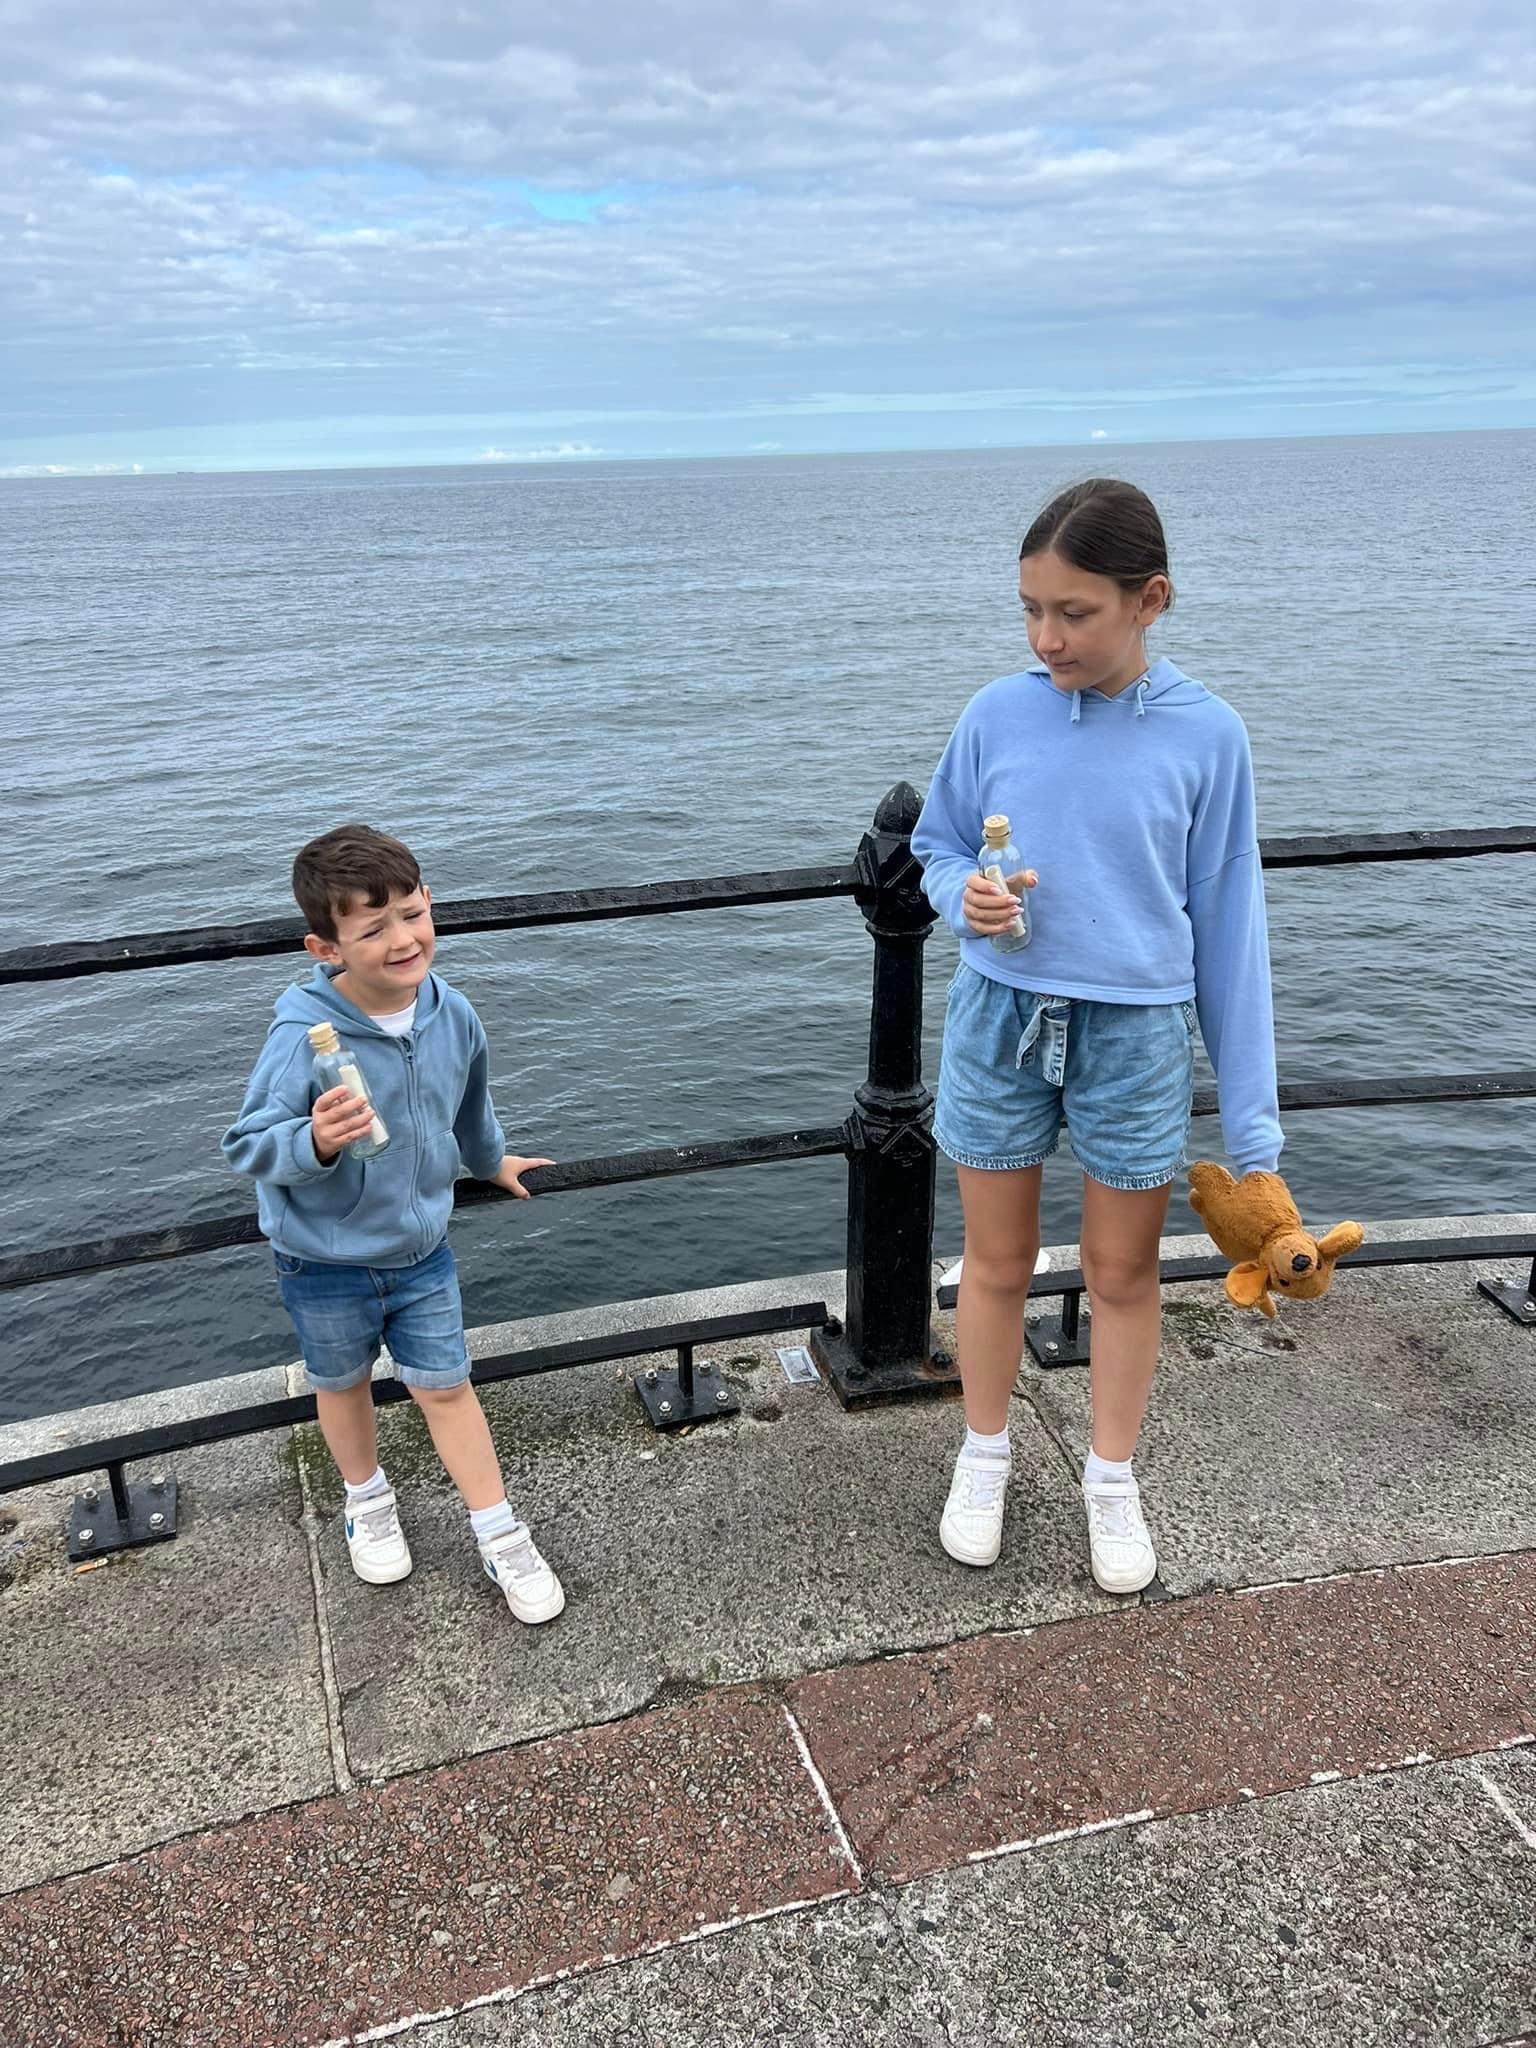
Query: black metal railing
{"points": [[885, 1345]]}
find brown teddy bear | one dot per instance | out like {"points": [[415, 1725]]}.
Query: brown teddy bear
{"points": [[1255, 1222]]}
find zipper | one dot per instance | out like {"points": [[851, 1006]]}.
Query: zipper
{"points": [[412, 1096]]}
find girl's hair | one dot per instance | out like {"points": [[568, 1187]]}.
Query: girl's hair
{"points": [[1106, 528]]}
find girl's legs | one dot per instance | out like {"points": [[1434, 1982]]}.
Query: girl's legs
{"points": [[1002, 1242], [1002, 1233], [1121, 1228]]}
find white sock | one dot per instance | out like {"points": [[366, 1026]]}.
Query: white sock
{"points": [[488, 1523], [987, 1448], [377, 1484], [1099, 1471]]}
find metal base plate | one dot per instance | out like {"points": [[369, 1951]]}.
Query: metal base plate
{"points": [[852, 1381], [1517, 1302], [1049, 1346], [670, 1408], [95, 1530]]}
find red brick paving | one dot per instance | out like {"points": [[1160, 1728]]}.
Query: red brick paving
{"points": [[1174, 1708], [499, 1872], [425, 1892]]}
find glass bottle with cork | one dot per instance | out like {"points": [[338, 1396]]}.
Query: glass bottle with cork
{"points": [[336, 1067], [998, 859]]}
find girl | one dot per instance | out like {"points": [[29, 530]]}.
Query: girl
{"points": [[1129, 788]]}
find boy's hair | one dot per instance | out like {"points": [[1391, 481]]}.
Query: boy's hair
{"points": [[1106, 528], [352, 864]]}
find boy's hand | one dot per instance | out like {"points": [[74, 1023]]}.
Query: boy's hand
{"points": [[506, 1175], [989, 910], [338, 1119]]}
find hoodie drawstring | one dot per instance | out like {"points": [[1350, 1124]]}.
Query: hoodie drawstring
{"points": [[1141, 701]]}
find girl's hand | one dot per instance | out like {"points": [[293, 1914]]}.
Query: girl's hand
{"points": [[506, 1175], [338, 1119], [989, 910]]}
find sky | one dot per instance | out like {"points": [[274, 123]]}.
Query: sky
{"points": [[270, 236]]}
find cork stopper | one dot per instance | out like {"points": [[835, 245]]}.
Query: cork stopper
{"points": [[323, 1038], [996, 830]]}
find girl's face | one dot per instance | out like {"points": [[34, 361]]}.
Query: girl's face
{"points": [[1086, 629]]}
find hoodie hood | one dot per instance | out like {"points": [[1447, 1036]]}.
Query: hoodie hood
{"points": [[1162, 684], [316, 1001]]}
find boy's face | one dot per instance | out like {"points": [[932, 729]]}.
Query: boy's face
{"points": [[384, 954]]}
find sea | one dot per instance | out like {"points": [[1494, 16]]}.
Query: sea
{"points": [[584, 675]]}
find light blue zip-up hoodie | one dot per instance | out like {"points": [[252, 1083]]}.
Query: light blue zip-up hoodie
{"points": [[432, 1088], [1138, 812]]}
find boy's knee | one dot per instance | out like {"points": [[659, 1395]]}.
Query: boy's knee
{"points": [[443, 1397]]}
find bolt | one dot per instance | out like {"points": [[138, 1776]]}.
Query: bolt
{"points": [[706, 1365], [722, 1397], [650, 1375], [88, 1497], [157, 1482], [666, 1407], [1052, 1346], [941, 1361], [157, 1523], [1032, 1318], [833, 1326], [1529, 1307], [87, 1537]]}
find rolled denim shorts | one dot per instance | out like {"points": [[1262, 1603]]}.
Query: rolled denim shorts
{"points": [[1016, 1065], [343, 1314]]}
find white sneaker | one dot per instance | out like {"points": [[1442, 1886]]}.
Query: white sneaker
{"points": [[971, 1527], [533, 1592], [1119, 1546], [375, 1540]]}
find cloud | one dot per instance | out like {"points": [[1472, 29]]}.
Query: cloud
{"points": [[567, 451], [213, 217], [1099, 434]]}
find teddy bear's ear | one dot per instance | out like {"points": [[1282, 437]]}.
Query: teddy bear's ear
{"points": [[1246, 1286], [1343, 1238]]}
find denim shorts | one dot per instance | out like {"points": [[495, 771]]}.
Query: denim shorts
{"points": [[343, 1314], [1015, 1065]]}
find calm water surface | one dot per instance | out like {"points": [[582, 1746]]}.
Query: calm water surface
{"points": [[616, 673]]}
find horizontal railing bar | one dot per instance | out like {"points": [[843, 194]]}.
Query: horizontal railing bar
{"points": [[134, 1446], [1338, 849], [223, 1233], [71, 958], [1373, 1094], [1407, 1251], [68, 959], [1415, 1251]]}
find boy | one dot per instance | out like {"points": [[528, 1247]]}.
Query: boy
{"points": [[360, 1247]]}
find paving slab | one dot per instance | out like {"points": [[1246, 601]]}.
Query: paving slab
{"points": [[1169, 1708], [832, 1975], [790, 1537], [1374, 1914], [1377, 1426], [176, 1686], [355, 1912], [1387, 1911]]}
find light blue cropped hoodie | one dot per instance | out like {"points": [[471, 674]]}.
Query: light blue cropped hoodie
{"points": [[432, 1088], [1138, 812]]}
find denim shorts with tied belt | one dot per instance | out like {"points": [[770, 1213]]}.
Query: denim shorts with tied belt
{"points": [[1016, 1065]]}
